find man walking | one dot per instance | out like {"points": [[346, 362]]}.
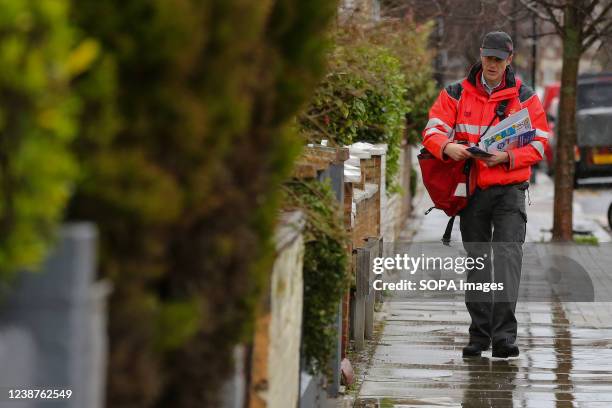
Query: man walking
{"points": [[494, 221]]}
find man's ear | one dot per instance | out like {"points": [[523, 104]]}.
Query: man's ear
{"points": [[509, 60]]}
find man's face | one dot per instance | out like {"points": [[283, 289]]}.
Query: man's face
{"points": [[493, 68]]}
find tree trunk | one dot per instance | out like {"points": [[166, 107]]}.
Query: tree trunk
{"points": [[564, 162]]}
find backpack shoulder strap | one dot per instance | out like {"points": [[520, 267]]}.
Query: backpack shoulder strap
{"points": [[525, 93], [500, 111], [447, 233], [455, 90]]}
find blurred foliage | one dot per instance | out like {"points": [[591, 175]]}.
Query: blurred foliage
{"points": [[325, 270], [586, 239], [38, 118], [184, 146], [379, 85]]}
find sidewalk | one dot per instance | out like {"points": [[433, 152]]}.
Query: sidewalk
{"points": [[566, 348]]}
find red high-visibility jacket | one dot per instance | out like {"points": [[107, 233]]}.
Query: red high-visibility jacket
{"points": [[464, 109]]}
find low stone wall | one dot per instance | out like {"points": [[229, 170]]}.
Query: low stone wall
{"points": [[286, 320], [396, 208], [275, 372]]}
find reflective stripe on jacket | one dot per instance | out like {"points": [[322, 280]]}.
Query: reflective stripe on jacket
{"points": [[462, 112]]}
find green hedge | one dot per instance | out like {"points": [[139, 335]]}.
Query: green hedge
{"points": [[184, 146], [379, 84], [409, 43], [360, 100]]}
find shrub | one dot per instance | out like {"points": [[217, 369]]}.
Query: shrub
{"points": [[409, 44], [379, 82], [184, 147], [325, 269], [38, 54], [361, 99]]}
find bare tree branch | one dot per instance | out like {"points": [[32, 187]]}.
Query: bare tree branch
{"points": [[607, 30], [551, 5], [532, 6], [547, 15], [589, 9], [591, 29], [513, 15], [605, 49], [551, 13], [545, 34]]}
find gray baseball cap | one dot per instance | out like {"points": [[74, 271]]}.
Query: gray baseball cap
{"points": [[497, 44]]}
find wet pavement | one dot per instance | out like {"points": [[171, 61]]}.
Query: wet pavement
{"points": [[566, 347], [418, 361]]}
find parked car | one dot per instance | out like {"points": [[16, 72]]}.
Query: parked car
{"points": [[593, 150], [594, 118]]}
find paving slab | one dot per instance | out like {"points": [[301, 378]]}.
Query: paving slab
{"points": [[566, 347], [418, 362]]}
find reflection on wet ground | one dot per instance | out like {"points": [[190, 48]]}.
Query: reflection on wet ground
{"points": [[418, 361]]}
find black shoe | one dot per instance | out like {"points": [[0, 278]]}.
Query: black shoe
{"points": [[474, 349], [505, 350]]}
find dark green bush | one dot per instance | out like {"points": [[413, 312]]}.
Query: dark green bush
{"points": [[379, 82], [361, 99], [184, 146], [325, 269]]}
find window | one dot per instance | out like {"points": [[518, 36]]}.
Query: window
{"points": [[595, 95]]}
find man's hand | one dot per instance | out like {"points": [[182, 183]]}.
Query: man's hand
{"points": [[497, 158], [457, 152]]}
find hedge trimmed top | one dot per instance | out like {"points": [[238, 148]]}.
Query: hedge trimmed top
{"points": [[370, 90]]}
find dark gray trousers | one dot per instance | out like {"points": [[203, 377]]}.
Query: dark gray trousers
{"points": [[494, 222]]}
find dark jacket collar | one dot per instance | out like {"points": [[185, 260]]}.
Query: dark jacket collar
{"points": [[476, 68], [510, 89]]}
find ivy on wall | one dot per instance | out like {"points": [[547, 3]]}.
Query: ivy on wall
{"points": [[325, 269]]}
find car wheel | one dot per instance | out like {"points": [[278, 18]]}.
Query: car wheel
{"points": [[610, 216], [577, 175]]}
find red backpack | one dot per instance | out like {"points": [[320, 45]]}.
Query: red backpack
{"points": [[448, 183]]}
